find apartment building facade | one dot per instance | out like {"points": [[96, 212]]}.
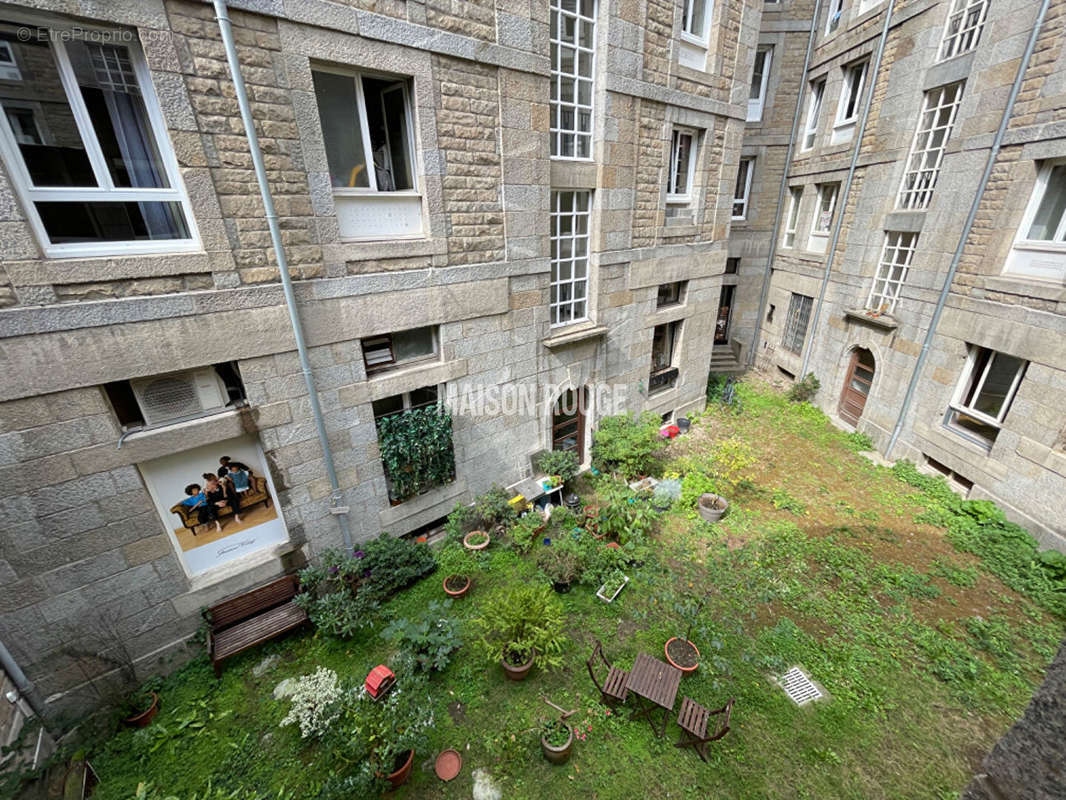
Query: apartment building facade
{"points": [[471, 195], [940, 336]]}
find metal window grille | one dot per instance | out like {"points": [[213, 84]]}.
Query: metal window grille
{"points": [[930, 140], [569, 256], [892, 271], [573, 49], [962, 31], [799, 315]]}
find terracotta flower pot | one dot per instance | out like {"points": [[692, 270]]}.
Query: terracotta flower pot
{"points": [[558, 755], [688, 670], [517, 673], [712, 507], [400, 776], [465, 587], [476, 534], [144, 719]]}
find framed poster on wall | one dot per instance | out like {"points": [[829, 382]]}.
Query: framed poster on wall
{"points": [[217, 502]]}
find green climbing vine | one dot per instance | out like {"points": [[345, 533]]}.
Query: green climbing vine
{"points": [[416, 450]]}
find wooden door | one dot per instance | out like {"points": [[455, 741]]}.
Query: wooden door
{"points": [[857, 385], [568, 422]]}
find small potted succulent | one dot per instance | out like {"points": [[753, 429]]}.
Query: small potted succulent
{"points": [[561, 563], [518, 624], [141, 706], [476, 540], [556, 740], [612, 586]]}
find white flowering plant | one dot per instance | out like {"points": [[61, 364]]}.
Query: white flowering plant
{"points": [[317, 702]]}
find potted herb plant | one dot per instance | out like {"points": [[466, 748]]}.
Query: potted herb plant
{"points": [[612, 586], [458, 565], [556, 739], [561, 563], [521, 623], [681, 651], [141, 706], [560, 464]]}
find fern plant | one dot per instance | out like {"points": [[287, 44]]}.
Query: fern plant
{"points": [[519, 622]]}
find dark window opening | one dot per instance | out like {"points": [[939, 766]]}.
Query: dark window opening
{"points": [[732, 266], [397, 349], [671, 294]]}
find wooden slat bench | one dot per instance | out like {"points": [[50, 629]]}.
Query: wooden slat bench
{"points": [[252, 618]]}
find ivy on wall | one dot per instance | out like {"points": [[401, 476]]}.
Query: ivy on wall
{"points": [[416, 450]]}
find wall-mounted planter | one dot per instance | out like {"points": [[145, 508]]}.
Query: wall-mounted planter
{"points": [[610, 599]]}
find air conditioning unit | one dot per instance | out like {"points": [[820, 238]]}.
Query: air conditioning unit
{"points": [[166, 398]]}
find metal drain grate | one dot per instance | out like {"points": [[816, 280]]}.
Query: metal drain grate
{"points": [[799, 687]]}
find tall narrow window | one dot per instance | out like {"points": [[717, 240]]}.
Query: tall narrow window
{"points": [[368, 134], [795, 196], [985, 391], [760, 79], [892, 271], [799, 316], [742, 191], [1040, 247], [822, 223], [694, 19], [962, 31], [836, 13], [814, 110], [570, 256], [848, 106], [930, 140], [682, 170], [86, 145], [663, 373], [573, 48]]}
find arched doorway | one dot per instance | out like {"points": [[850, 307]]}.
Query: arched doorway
{"points": [[857, 384], [568, 422]]}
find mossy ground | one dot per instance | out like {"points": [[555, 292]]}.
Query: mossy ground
{"points": [[927, 657]]}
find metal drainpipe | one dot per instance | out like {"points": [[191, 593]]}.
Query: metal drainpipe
{"points": [[945, 290], [764, 295], [24, 685], [842, 199], [221, 13]]}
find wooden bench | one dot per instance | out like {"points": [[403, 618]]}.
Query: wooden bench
{"points": [[248, 619]]}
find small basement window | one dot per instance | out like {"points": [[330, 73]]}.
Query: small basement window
{"points": [[670, 294], [391, 350], [176, 396]]}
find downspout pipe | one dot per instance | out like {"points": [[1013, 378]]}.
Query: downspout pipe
{"points": [[764, 295], [222, 14], [842, 200], [956, 257], [24, 685]]}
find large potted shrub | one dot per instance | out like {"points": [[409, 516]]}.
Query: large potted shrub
{"points": [[561, 563], [521, 623], [557, 462]]}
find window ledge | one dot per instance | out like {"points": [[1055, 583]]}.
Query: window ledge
{"points": [[402, 513], [573, 334], [884, 321], [1026, 286]]}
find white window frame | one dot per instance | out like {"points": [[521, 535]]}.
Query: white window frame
{"points": [[745, 198], [674, 197], [854, 82], [9, 67], [818, 241], [956, 406], [866, 5], [896, 256], [796, 305], [925, 159], [814, 111], [835, 16], [795, 198], [970, 16], [757, 104], [105, 190], [556, 104], [1043, 259], [689, 33], [575, 283], [346, 195]]}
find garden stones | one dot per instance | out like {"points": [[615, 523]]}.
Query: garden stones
{"points": [[284, 689]]}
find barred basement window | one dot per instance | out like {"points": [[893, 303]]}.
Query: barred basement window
{"points": [[86, 145], [573, 49], [742, 190], [892, 271], [799, 316], [983, 396], [930, 140], [962, 31], [664, 373], [814, 110], [795, 197], [570, 256]]}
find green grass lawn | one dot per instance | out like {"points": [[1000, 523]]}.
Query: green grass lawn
{"points": [[927, 655]]}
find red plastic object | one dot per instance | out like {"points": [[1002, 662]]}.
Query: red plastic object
{"points": [[670, 431], [379, 681], [448, 765]]}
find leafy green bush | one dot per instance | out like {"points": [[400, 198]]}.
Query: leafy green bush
{"points": [[693, 485], [628, 445], [493, 508], [454, 559], [715, 387], [859, 442], [558, 462], [416, 450], [521, 620], [430, 639], [804, 390], [561, 562], [781, 499], [526, 531], [623, 516]]}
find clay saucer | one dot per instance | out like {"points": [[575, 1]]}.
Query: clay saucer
{"points": [[449, 762]]}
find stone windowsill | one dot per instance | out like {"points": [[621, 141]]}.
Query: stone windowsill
{"points": [[238, 566], [393, 515], [883, 321], [574, 334]]}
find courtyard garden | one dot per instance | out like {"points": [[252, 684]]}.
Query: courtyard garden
{"points": [[927, 622]]}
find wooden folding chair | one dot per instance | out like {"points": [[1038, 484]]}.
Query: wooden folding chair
{"points": [[693, 719], [613, 689]]}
